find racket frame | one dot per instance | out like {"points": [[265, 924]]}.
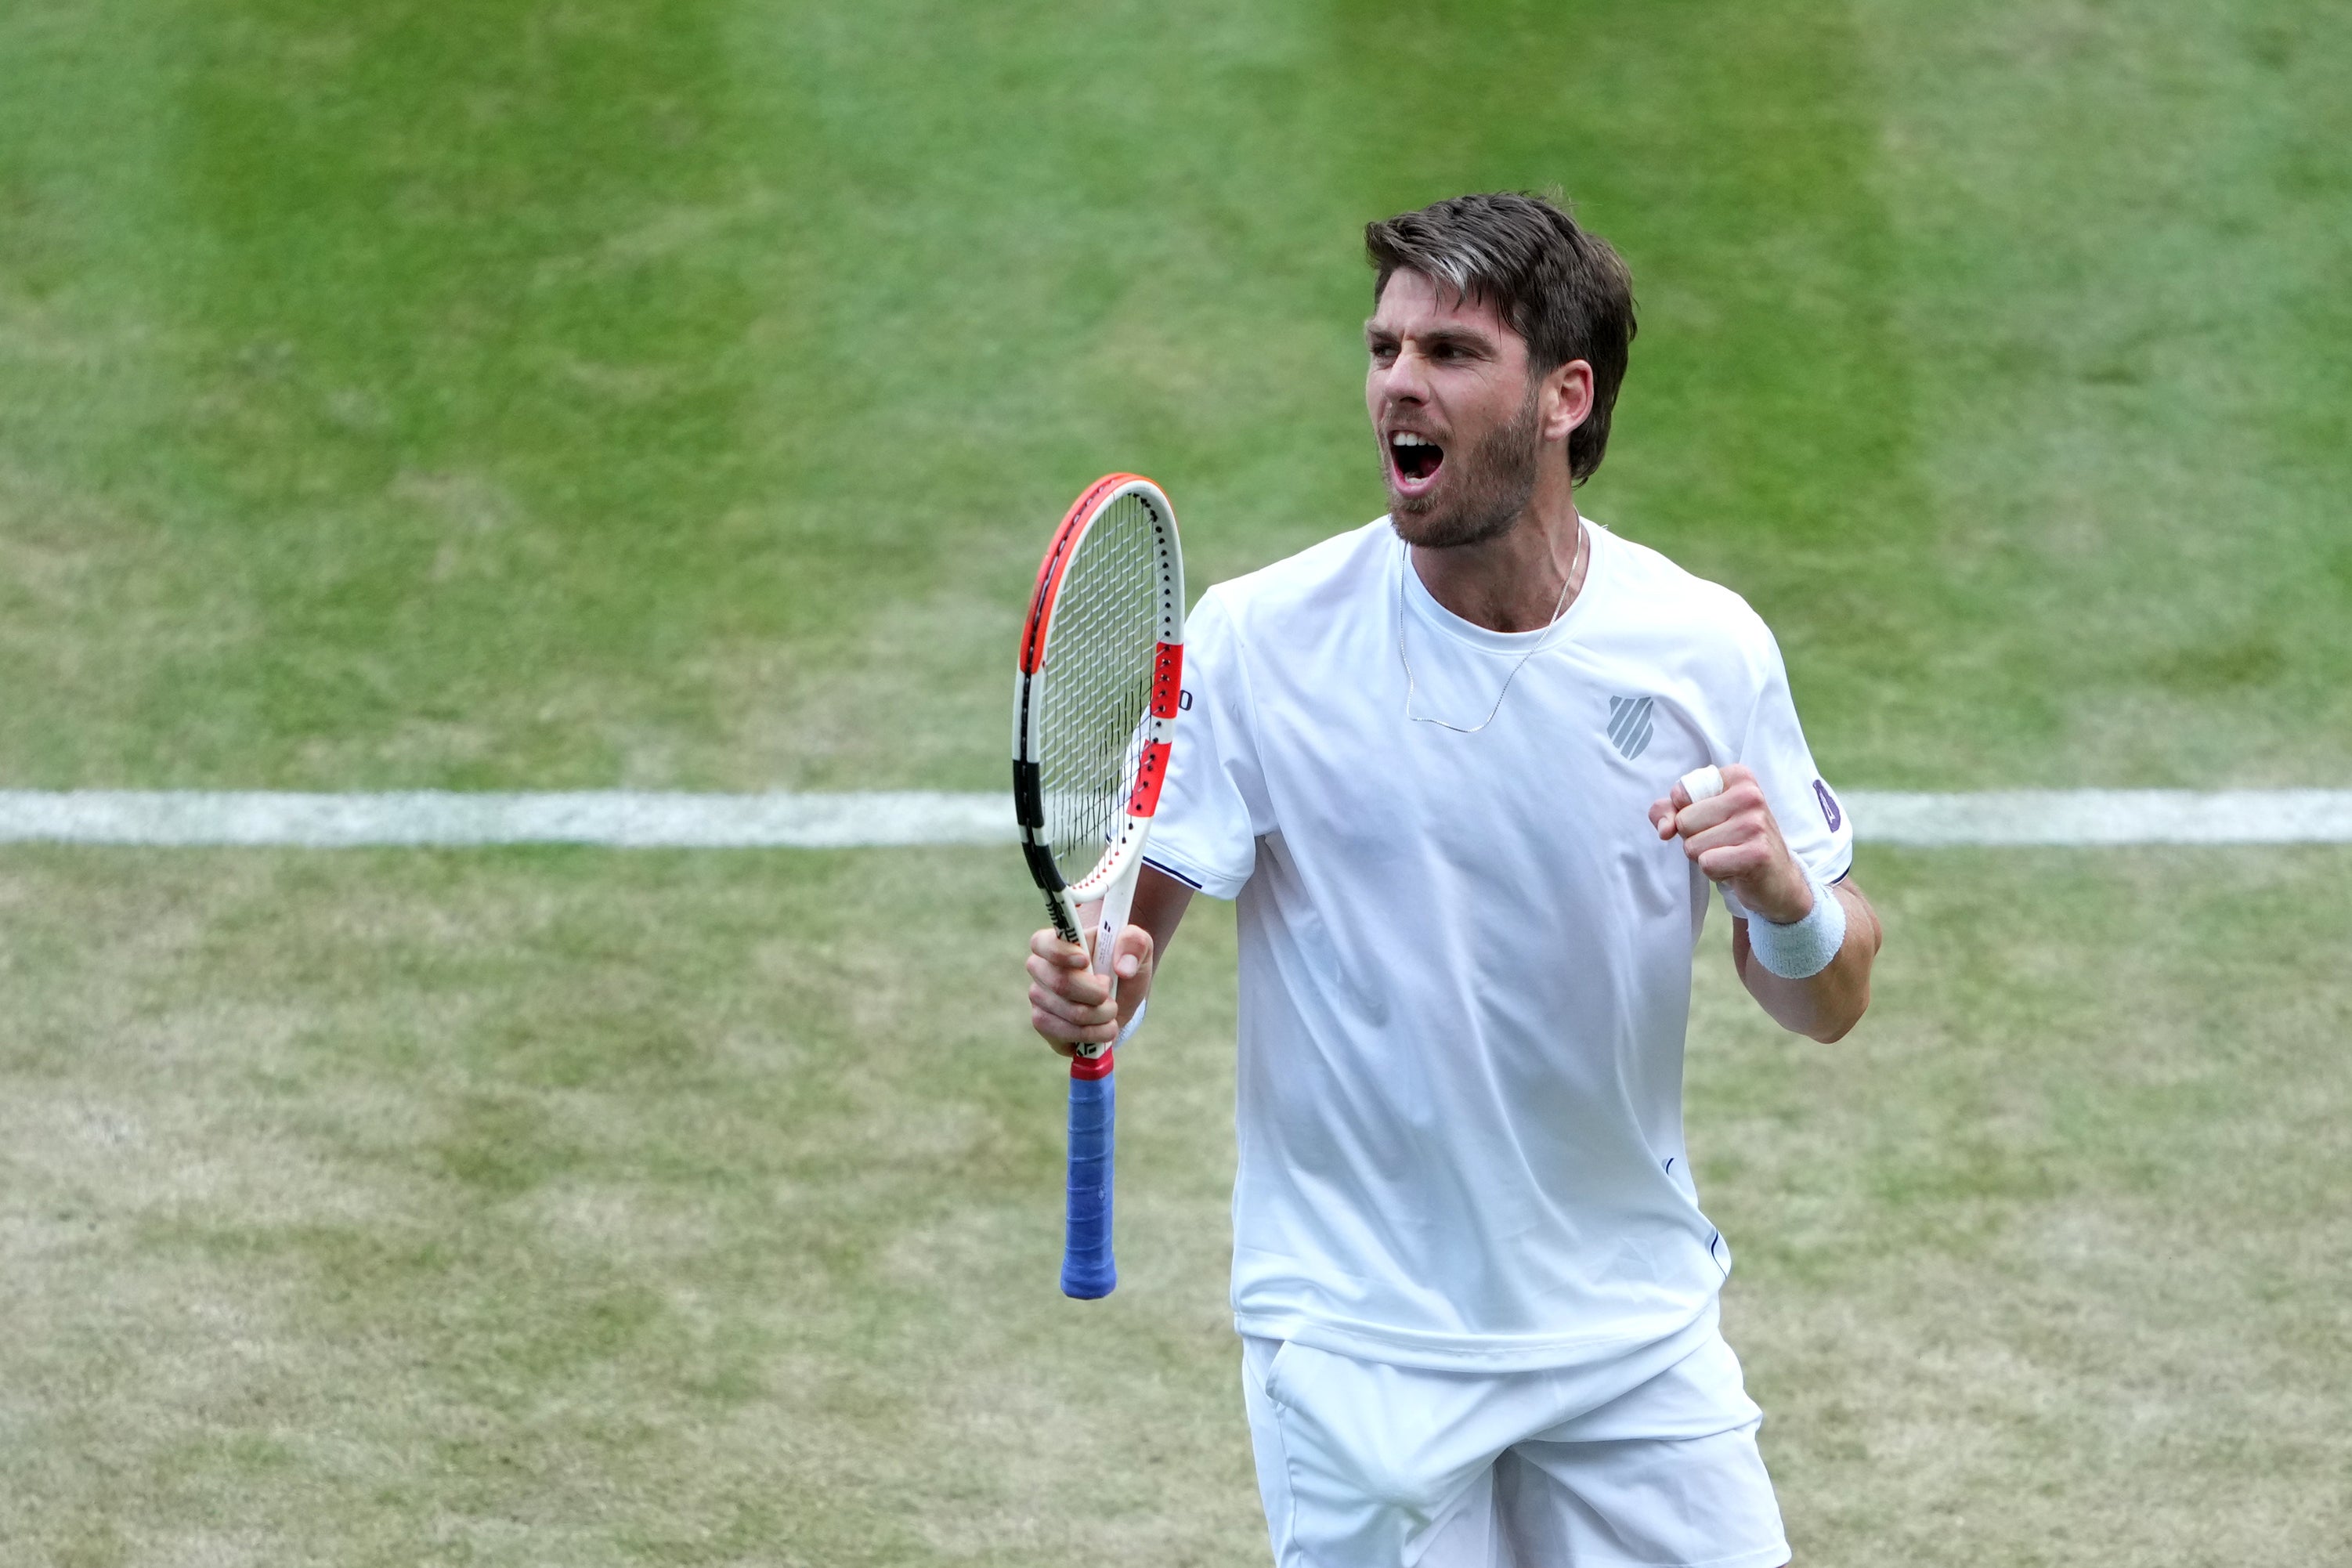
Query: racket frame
{"points": [[1089, 1272], [1109, 885]]}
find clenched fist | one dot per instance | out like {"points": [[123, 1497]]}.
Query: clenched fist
{"points": [[1733, 839]]}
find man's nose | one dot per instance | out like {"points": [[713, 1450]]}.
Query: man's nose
{"points": [[1408, 378]]}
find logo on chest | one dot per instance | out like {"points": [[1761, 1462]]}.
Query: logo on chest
{"points": [[1632, 722]]}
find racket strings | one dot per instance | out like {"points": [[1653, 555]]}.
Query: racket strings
{"points": [[1097, 692]]}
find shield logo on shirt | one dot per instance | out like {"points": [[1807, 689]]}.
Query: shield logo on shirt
{"points": [[1830, 812], [1631, 724]]}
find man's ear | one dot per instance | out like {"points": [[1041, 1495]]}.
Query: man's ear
{"points": [[1568, 401]]}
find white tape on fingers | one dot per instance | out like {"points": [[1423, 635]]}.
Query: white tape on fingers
{"points": [[1703, 784]]}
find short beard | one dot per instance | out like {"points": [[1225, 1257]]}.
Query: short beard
{"points": [[1489, 492]]}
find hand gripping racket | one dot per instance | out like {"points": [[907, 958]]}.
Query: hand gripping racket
{"points": [[1094, 714]]}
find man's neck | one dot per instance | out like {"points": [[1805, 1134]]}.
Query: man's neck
{"points": [[1518, 580]]}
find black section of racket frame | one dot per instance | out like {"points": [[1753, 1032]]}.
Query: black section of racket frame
{"points": [[1029, 811]]}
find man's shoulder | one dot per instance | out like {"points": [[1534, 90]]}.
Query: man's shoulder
{"points": [[1322, 576], [1655, 593]]}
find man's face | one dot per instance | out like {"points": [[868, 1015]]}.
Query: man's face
{"points": [[1455, 412]]}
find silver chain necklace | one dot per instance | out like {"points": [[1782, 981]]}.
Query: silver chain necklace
{"points": [[1404, 564]]}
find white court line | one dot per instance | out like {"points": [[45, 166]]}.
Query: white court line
{"points": [[2094, 817], [629, 819], [641, 819]]}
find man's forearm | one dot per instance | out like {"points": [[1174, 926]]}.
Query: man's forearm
{"points": [[1824, 1005], [1160, 902]]}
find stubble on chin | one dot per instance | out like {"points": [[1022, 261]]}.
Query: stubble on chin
{"points": [[1484, 496]]}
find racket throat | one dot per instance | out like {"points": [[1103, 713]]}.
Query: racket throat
{"points": [[1103, 919]]}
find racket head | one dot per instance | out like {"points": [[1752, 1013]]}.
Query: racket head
{"points": [[1096, 690]]}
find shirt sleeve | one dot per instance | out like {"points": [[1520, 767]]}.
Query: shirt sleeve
{"points": [[1812, 821], [1214, 806]]}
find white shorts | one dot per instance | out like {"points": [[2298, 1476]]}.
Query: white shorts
{"points": [[1365, 1465]]}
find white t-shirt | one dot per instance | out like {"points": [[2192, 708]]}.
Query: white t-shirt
{"points": [[1466, 958]]}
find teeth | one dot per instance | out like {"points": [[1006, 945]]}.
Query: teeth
{"points": [[1407, 438]]}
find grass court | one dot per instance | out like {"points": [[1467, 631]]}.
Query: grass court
{"points": [[675, 394]]}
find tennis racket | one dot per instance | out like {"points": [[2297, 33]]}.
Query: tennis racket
{"points": [[1094, 714]]}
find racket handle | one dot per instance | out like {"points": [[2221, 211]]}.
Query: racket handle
{"points": [[1088, 1272]]}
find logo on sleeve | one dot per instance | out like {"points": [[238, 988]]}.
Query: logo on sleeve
{"points": [[1830, 812], [1632, 722]]}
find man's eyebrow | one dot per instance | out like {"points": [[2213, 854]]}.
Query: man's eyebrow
{"points": [[1436, 337], [1458, 337]]}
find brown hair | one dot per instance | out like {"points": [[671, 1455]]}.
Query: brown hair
{"points": [[1564, 290]]}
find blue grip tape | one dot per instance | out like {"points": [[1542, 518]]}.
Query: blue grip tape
{"points": [[1087, 1271]]}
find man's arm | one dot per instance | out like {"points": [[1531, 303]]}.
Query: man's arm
{"points": [[1733, 839], [1069, 1003], [1827, 1005]]}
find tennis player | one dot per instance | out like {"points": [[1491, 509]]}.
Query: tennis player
{"points": [[1440, 762]]}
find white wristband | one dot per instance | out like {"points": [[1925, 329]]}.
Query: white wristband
{"points": [[1801, 947], [1133, 1024]]}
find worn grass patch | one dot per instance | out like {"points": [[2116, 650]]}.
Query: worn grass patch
{"points": [[2034, 1266], [590, 1208], [549, 1208]]}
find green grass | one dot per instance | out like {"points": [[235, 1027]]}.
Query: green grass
{"points": [[677, 391], [589, 1208], [654, 392], [578, 1209]]}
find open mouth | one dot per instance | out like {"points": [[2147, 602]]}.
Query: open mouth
{"points": [[1417, 458]]}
